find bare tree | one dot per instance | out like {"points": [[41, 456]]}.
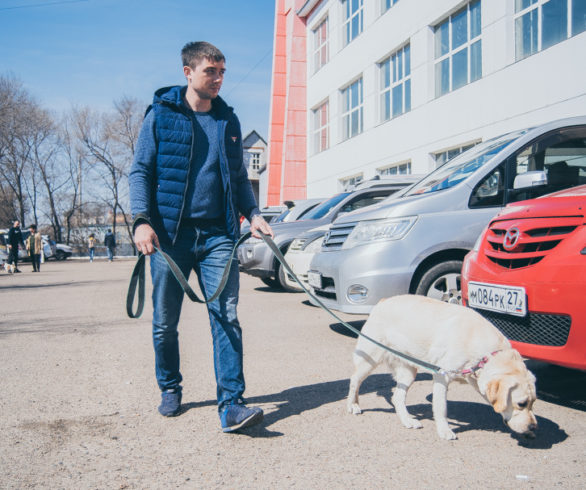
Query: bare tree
{"points": [[109, 141], [16, 107]]}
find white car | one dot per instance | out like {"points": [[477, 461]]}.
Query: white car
{"points": [[301, 252]]}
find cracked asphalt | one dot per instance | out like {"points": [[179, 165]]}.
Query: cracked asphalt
{"points": [[78, 402]]}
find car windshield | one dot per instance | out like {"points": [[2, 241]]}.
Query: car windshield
{"points": [[459, 168], [325, 207]]}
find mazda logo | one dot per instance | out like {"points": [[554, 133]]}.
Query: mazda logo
{"points": [[511, 238], [326, 237]]}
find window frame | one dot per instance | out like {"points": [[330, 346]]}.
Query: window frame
{"points": [[347, 18], [318, 129], [403, 54], [537, 6], [467, 46], [319, 45], [348, 111]]}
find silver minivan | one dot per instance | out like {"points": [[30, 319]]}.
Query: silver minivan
{"points": [[416, 242]]}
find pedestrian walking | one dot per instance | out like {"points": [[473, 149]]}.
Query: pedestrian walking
{"points": [[14, 241], [34, 246], [110, 242], [91, 245], [187, 185]]}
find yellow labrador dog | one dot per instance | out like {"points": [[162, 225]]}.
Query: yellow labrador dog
{"points": [[458, 340]]}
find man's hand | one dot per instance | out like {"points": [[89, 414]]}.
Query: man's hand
{"points": [[144, 239], [257, 224]]}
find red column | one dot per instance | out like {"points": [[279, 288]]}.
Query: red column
{"points": [[287, 129]]}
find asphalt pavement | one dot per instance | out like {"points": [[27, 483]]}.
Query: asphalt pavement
{"points": [[78, 402]]}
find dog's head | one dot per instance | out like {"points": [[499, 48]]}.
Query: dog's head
{"points": [[510, 389]]}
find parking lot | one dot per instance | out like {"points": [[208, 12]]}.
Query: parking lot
{"points": [[79, 398]]}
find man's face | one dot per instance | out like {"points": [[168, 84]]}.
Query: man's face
{"points": [[206, 78], [16, 224]]}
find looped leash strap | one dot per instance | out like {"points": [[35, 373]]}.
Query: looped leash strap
{"points": [[138, 278]]}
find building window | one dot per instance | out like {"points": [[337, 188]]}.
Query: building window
{"points": [[353, 19], [352, 101], [350, 182], [254, 162], [443, 157], [321, 48], [395, 76], [321, 128], [399, 169], [458, 49], [540, 24], [387, 4]]}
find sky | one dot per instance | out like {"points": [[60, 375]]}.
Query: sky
{"points": [[93, 52]]}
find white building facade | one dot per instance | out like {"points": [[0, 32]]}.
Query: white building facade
{"points": [[400, 86]]}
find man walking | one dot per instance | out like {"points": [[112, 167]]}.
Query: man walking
{"points": [[34, 245], [14, 240], [187, 186], [110, 243]]}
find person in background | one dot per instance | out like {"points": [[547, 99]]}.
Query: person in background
{"points": [[14, 240], [34, 246], [91, 245], [110, 243]]}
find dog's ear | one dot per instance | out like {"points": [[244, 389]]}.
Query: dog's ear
{"points": [[497, 393]]}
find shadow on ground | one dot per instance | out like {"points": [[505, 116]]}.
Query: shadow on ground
{"points": [[464, 416]]}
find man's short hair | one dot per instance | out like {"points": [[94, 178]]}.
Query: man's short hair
{"points": [[33, 227], [193, 53]]}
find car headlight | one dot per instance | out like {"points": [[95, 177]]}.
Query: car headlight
{"points": [[314, 246], [379, 230]]}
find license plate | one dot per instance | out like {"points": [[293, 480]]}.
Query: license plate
{"points": [[314, 279], [495, 297]]}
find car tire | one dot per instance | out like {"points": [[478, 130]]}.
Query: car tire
{"points": [[59, 255], [442, 281], [270, 282]]}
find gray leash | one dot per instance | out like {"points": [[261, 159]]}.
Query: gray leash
{"points": [[137, 279]]}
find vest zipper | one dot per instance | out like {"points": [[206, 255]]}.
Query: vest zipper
{"points": [[191, 117]]}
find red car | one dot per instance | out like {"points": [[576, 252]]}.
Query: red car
{"points": [[527, 275]]}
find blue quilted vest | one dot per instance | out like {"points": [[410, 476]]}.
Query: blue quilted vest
{"points": [[175, 137]]}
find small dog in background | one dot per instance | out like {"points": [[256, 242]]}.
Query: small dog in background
{"points": [[8, 267], [465, 345]]}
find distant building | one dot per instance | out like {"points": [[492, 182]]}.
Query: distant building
{"points": [[374, 87], [255, 148]]}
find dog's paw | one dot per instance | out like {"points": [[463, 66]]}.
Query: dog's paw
{"points": [[446, 433], [412, 423], [354, 409]]}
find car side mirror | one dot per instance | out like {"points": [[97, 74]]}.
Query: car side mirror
{"points": [[530, 179]]}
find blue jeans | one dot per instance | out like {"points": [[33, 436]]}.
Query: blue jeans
{"points": [[110, 253], [91, 254], [206, 251]]}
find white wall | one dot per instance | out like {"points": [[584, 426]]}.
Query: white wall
{"points": [[510, 95]]}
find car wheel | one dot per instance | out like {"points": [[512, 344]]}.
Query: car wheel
{"points": [[270, 282], [442, 281], [60, 255]]}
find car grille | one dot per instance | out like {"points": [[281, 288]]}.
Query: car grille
{"points": [[336, 236], [537, 238], [534, 328]]}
